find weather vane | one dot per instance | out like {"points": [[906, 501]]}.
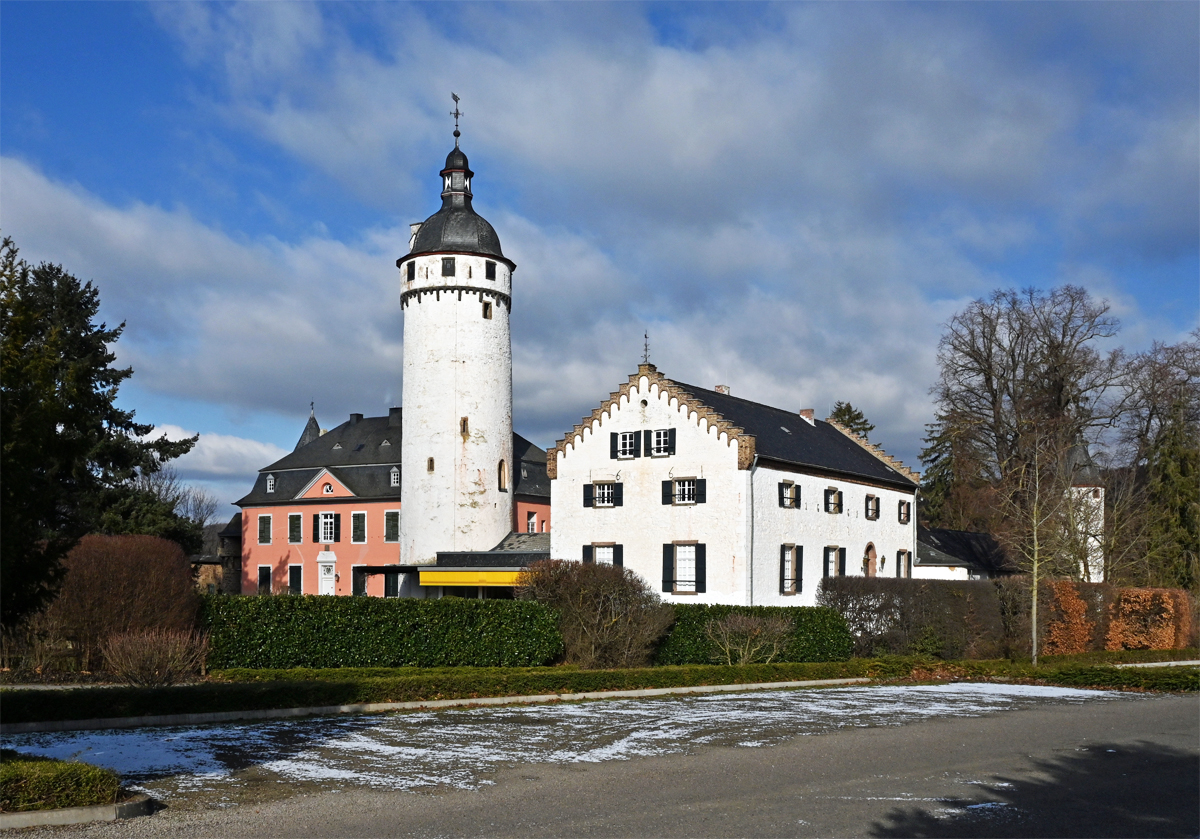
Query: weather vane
{"points": [[456, 113], [646, 349]]}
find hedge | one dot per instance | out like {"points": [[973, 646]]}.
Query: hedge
{"points": [[820, 633], [310, 631], [29, 782]]}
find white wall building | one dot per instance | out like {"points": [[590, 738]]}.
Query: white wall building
{"points": [[716, 499]]}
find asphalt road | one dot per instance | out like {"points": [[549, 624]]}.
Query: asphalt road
{"points": [[1103, 769]]}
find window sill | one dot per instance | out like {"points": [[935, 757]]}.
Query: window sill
{"points": [[686, 593]]}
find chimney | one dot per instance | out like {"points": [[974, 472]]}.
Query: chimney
{"points": [[354, 418], [808, 414], [722, 389], [394, 417]]}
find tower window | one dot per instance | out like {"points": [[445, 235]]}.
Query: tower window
{"points": [[447, 266], [487, 310], [464, 427], [503, 479], [429, 465], [412, 271], [489, 270]]}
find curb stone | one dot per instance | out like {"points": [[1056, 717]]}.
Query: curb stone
{"points": [[1161, 664], [381, 707], [139, 805]]}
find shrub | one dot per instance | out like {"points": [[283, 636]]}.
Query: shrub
{"points": [[817, 634], [118, 584], [28, 782], [311, 631], [748, 639], [154, 657], [607, 615]]}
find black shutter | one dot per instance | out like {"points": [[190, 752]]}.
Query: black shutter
{"points": [[799, 568], [667, 491], [668, 567], [649, 442], [316, 528], [899, 560], [841, 562], [618, 495], [701, 491], [783, 558], [619, 555], [587, 553], [637, 445], [825, 572], [612, 446], [700, 569], [670, 441], [783, 499], [587, 495], [337, 527]]}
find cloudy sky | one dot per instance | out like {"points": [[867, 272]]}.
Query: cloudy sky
{"points": [[791, 199]]}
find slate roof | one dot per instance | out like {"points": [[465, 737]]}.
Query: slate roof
{"points": [[357, 443], [311, 431], [976, 551], [785, 436], [516, 550], [529, 476], [1083, 470], [456, 226]]}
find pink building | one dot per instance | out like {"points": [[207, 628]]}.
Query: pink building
{"points": [[325, 519]]}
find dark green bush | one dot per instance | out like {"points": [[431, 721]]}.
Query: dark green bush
{"points": [[820, 634], [28, 782], [309, 631]]}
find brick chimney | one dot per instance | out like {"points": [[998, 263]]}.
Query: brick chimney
{"points": [[808, 415], [721, 389]]}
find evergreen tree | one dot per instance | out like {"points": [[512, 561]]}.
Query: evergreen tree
{"points": [[851, 419], [65, 443], [1173, 498]]}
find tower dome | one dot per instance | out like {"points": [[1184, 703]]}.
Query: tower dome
{"points": [[456, 227]]}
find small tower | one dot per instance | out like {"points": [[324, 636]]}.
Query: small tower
{"points": [[457, 441]]}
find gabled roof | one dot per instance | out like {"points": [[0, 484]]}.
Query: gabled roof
{"points": [[770, 433], [977, 551], [359, 441]]}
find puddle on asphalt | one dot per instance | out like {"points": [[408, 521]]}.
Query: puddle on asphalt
{"points": [[254, 762]]}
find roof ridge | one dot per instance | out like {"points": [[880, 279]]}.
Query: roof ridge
{"points": [[877, 451]]}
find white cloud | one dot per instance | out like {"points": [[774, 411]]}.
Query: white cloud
{"points": [[217, 456]]}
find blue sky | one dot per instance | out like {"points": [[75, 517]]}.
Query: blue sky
{"points": [[792, 199]]}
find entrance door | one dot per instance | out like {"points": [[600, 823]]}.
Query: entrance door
{"points": [[327, 583]]}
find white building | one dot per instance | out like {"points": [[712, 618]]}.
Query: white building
{"points": [[716, 499]]}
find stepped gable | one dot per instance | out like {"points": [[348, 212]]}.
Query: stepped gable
{"points": [[877, 451]]}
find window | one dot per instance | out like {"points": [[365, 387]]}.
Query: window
{"points": [[391, 526], [270, 483], [904, 512], [531, 523], [487, 310], [684, 568], [447, 266], [295, 526], [264, 579], [391, 584], [660, 443], [489, 270], [358, 528], [789, 494], [833, 500], [412, 271], [327, 527], [872, 507], [685, 491], [604, 495], [625, 444], [502, 476], [394, 476], [327, 489], [358, 579], [264, 530], [835, 562], [464, 427], [791, 567], [604, 554], [429, 465], [295, 579]]}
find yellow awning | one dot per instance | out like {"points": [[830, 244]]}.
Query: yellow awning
{"points": [[472, 577]]}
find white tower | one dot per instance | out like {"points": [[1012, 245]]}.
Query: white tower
{"points": [[457, 438]]}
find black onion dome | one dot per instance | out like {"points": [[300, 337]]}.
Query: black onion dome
{"points": [[456, 227]]}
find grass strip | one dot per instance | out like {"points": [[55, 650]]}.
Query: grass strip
{"points": [[29, 782]]}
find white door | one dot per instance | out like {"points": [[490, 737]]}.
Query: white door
{"points": [[326, 578]]}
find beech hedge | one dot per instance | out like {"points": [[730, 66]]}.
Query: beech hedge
{"points": [[309, 631], [32, 782], [820, 633]]}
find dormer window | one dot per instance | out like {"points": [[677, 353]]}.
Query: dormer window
{"points": [[327, 489], [270, 483], [395, 476]]}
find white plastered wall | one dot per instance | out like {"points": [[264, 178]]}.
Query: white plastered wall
{"points": [[643, 524], [457, 363]]}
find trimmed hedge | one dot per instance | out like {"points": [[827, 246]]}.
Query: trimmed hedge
{"points": [[30, 782], [820, 633], [309, 631]]}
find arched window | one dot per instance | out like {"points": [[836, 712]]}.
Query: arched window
{"points": [[395, 476], [503, 477], [327, 489]]}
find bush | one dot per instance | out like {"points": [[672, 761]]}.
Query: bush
{"points": [[119, 584], [155, 657], [817, 634], [311, 631], [747, 639], [28, 782], [607, 615]]}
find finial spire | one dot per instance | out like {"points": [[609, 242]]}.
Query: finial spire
{"points": [[456, 113], [646, 349]]}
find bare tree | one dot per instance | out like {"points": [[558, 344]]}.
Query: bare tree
{"points": [[1159, 381], [191, 502]]}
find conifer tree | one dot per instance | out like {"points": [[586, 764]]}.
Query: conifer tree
{"points": [[851, 419]]}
